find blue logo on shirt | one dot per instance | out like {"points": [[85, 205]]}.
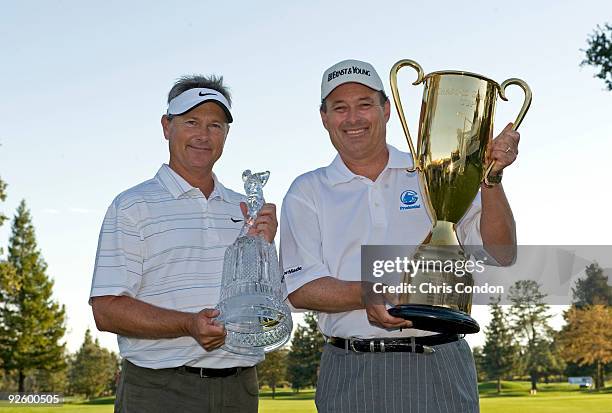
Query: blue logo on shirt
{"points": [[409, 198]]}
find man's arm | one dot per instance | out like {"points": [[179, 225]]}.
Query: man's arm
{"points": [[330, 295], [130, 317], [497, 226]]}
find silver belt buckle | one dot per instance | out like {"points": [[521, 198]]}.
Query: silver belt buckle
{"points": [[428, 350], [381, 344], [352, 344]]}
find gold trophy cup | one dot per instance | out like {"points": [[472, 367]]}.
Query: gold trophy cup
{"points": [[455, 129]]}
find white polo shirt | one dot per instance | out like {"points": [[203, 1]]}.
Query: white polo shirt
{"points": [[329, 213], [163, 242]]}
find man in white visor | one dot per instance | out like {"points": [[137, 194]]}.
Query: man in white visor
{"points": [[158, 267]]}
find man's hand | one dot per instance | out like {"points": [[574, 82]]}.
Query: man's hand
{"points": [[265, 224], [377, 311], [209, 333], [504, 148]]}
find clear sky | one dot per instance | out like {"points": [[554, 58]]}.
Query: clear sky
{"points": [[84, 85]]}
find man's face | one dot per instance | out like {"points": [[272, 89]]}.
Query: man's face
{"points": [[196, 138], [356, 121]]}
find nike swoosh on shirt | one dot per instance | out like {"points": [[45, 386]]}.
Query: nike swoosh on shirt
{"points": [[236, 220]]}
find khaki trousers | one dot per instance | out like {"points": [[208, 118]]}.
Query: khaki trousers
{"points": [[143, 390]]}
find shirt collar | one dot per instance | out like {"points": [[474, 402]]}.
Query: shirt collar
{"points": [[338, 172], [178, 186], [219, 190]]}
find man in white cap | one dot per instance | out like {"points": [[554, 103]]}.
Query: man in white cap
{"points": [[374, 362], [158, 268]]}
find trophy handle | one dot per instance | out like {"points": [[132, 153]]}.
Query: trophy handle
{"points": [[398, 103], [519, 117]]}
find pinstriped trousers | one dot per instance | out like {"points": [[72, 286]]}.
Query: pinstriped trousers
{"points": [[442, 382]]}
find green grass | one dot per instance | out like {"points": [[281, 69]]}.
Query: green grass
{"points": [[287, 401], [515, 398], [521, 388], [591, 403], [551, 398], [66, 408]]}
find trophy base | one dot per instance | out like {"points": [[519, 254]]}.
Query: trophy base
{"points": [[438, 319], [255, 324]]}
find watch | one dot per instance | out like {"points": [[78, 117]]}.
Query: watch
{"points": [[495, 179]]}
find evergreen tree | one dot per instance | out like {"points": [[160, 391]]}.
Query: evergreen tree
{"points": [[50, 381], [93, 369], [500, 349], [273, 369], [297, 369], [8, 285], [530, 319], [541, 360], [599, 53], [2, 198], [593, 289], [554, 363], [31, 323], [479, 362], [305, 354], [7, 279]]}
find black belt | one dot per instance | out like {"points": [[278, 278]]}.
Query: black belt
{"points": [[382, 345], [204, 372]]}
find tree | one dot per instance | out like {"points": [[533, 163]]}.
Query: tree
{"points": [[8, 281], [297, 368], [554, 363], [305, 354], [500, 349], [50, 381], [273, 369], [7, 285], [94, 368], [479, 362], [530, 318], [586, 339], [589, 291], [31, 322], [593, 289], [2, 198], [599, 53]]}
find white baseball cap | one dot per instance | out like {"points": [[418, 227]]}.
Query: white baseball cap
{"points": [[191, 98], [350, 71]]}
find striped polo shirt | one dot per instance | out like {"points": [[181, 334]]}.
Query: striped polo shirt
{"points": [[163, 242]]}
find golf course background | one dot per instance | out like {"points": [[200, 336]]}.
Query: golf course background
{"points": [[551, 398]]}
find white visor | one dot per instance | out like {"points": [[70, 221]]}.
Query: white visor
{"points": [[191, 98]]}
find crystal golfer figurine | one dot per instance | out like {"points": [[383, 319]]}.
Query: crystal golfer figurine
{"points": [[251, 305]]}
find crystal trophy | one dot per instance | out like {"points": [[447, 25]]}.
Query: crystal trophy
{"points": [[251, 306]]}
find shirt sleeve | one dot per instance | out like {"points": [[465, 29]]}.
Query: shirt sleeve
{"points": [[468, 233], [119, 257], [301, 254]]}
